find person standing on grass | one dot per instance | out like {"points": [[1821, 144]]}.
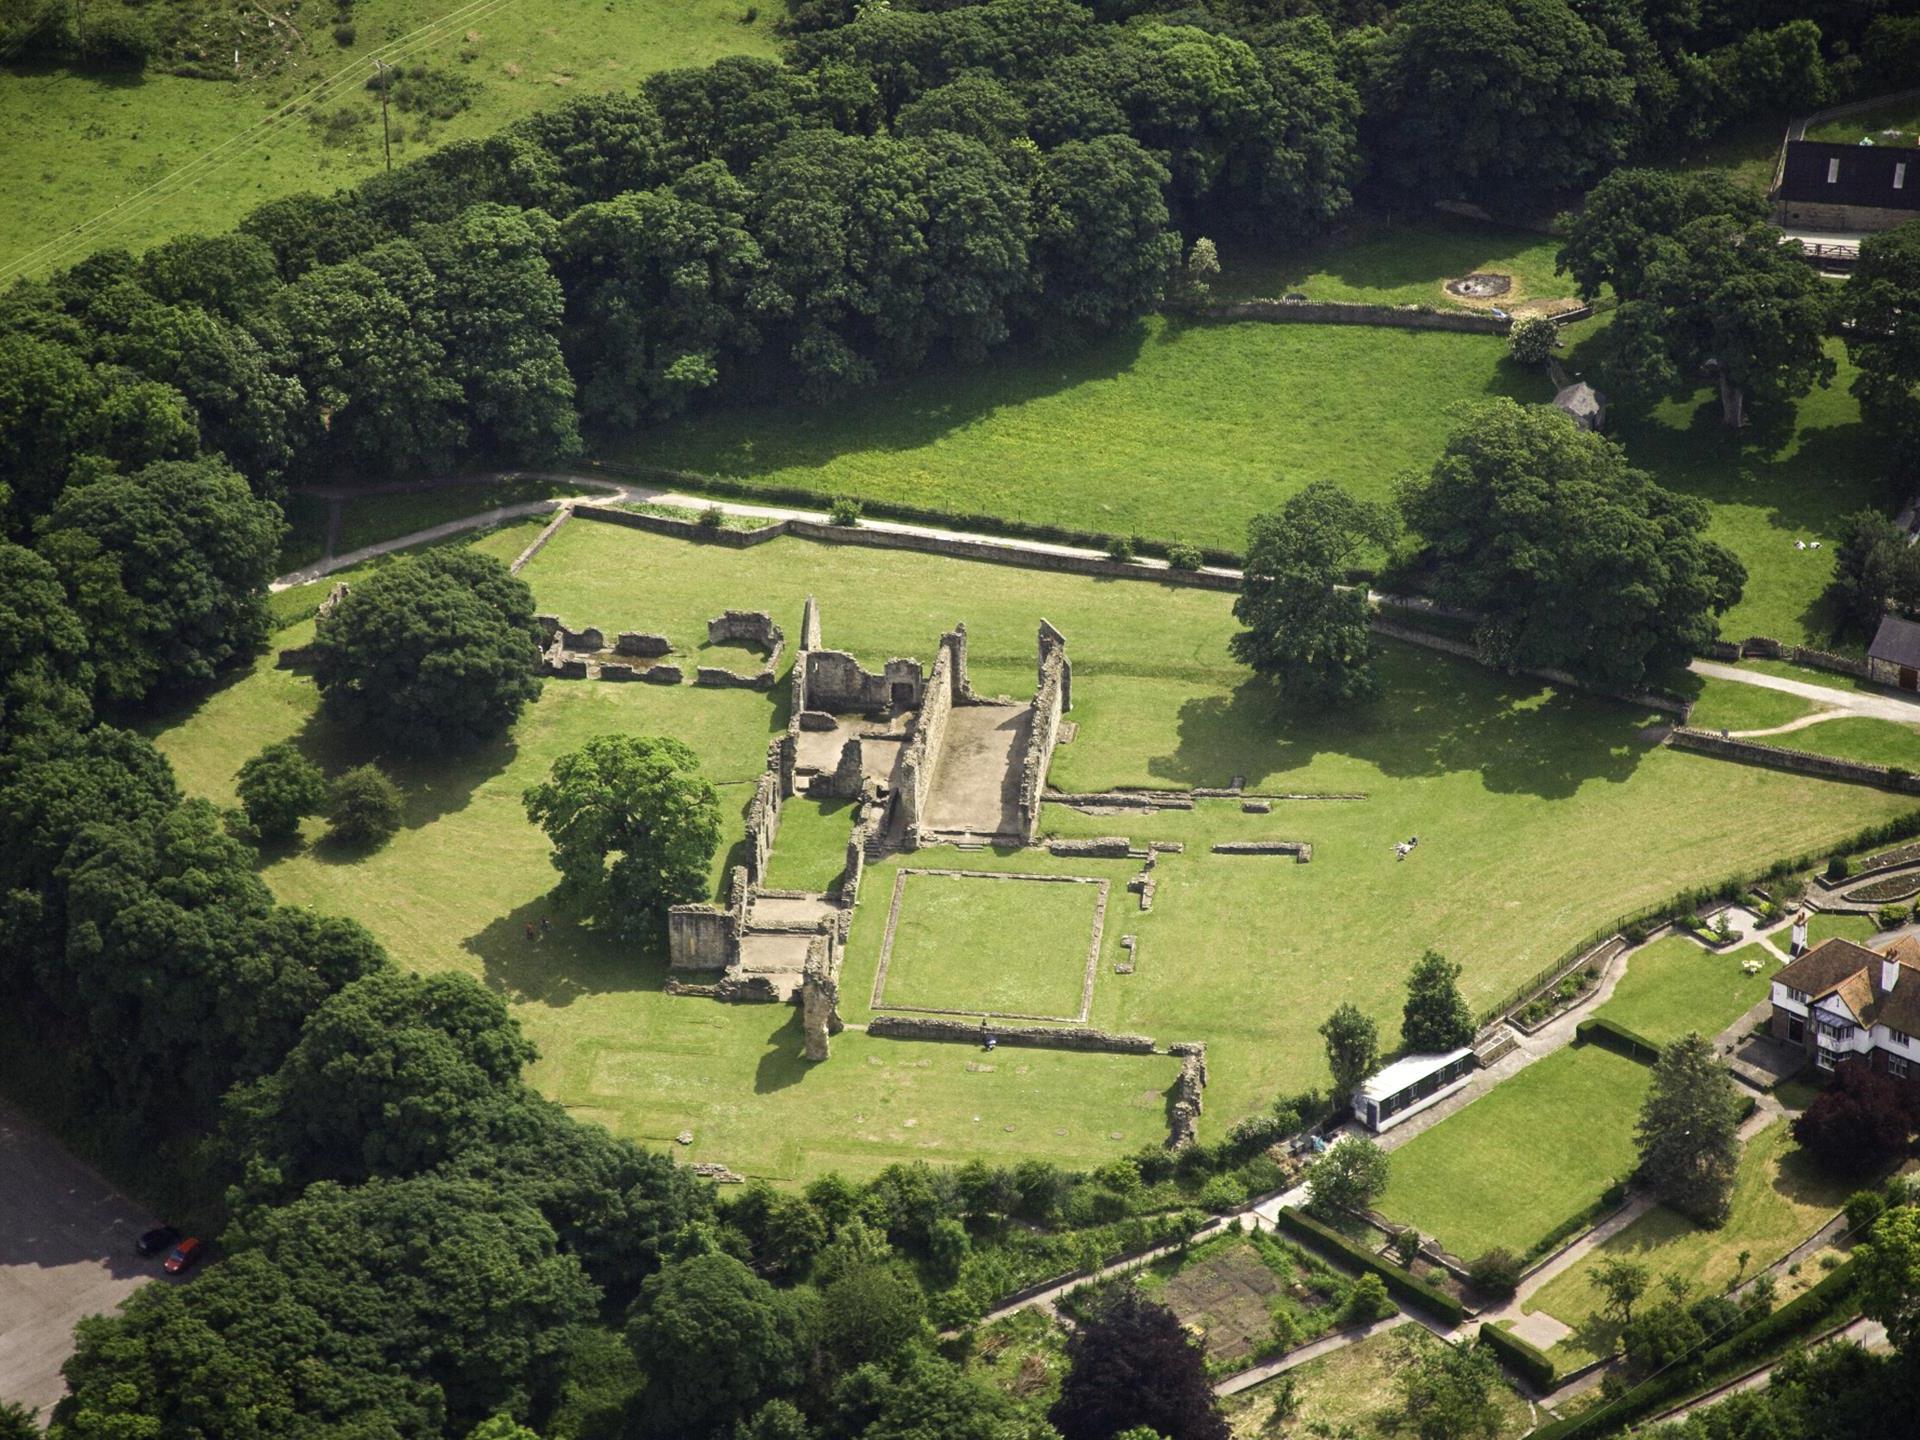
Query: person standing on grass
{"points": [[1799, 935]]}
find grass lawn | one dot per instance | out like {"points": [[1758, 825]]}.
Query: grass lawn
{"points": [[1520, 796], [1404, 263], [1353, 1393], [1747, 152], [369, 519], [299, 602], [78, 145], [1675, 985], [1877, 742], [810, 852], [1902, 116], [1779, 1199], [1857, 928], [1000, 947], [1525, 1157], [1730, 705], [1082, 440]]}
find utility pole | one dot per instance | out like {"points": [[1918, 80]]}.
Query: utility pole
{"points": [[380, 69]]}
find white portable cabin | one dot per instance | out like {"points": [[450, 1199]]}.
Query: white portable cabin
{"points": [[1410, 1085]]}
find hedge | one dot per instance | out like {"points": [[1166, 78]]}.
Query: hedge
{"points": [[1528, 1361], [1399, 1282], [1825, 1303], [1598, 1030], [1610, 1200]]}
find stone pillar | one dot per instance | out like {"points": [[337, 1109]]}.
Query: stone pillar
{"points": [[820, 999]]}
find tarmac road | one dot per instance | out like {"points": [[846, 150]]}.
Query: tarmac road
{"points": [[66, 1251]]}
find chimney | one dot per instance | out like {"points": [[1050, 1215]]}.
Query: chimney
{"points": [[1889, 974]]}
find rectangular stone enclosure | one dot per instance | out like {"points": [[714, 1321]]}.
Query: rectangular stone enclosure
{"points": [[985, 942]]}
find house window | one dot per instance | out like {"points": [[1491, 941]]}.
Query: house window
{"points": [[1896, 1067], [1798, 996], [1900, 175], [1900, 1037], [1825, 1058], [1796, 1029], [1834, 1030], [1833, 172]]}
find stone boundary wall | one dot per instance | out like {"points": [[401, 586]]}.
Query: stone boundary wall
{"points": [[916, 1027], [688, 529], [1043, 734], [1778, 757], [1770, 649], [1669, 704], [920, 756], [539, 542], [1351, 312]]}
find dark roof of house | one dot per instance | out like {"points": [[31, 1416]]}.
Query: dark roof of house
{"points": [[1853, 971], [1580, 399], [1897, 642], [1864, 175]]}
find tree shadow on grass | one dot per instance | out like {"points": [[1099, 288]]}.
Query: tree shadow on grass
{"points": [[568, 961], [782, 1065], [1439, 716]]}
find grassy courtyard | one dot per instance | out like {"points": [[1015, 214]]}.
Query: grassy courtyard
{"points": [[991, 947], [1523, 798], [1676, 985], [81, 144], [1779, 1199], [1524, 1158]]}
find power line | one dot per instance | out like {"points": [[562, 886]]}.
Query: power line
{"points": [[56, 248]]}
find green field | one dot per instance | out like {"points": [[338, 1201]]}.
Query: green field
{"points": [[80, 146], [1403, 263], [1676, 984], [1000, 947], [371, 518], [1526, 1157], [1779, 1199], [1730, 705], [1877, 742], [1521, 796], [811, 852]]}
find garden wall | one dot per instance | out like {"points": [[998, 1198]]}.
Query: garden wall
{"points": [[1771, 649], [1777, 757], [913, 1027], [1347, 312]]}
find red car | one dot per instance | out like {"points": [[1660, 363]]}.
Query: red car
{"points": [[185, 1256]]}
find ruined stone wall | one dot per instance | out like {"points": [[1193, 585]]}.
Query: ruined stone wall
{"points": [[920, 756], [1183, 1113], [748, 627], [847, 778], [1044, 732], [820, 996], [701, 937], [810, 625], [1804, 762], [838, 684], [641, 645], [763, 824], [914, 1027]]}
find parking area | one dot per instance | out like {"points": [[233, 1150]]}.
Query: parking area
{"points": [[66, 1251]]}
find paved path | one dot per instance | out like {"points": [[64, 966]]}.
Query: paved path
{"points": [[1877, 705], [1313, 1350], [66, 1251]]}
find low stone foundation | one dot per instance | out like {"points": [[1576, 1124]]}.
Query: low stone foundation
{"points": [[642, 645], [915, 1027], [1098, 847], [1300, 850]]}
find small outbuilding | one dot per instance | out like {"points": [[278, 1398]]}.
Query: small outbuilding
{"points": [[1408, 1086], [1894, 656]]}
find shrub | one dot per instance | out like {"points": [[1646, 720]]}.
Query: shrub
{"points": [[1525, 1360], [1184, 557], [846, 510], [1120, 547], [1864, 1207], [1533, 339], [1366, 1301], [1889, 916], [1858, 1123], [344, 34], [278, 788], [1406, 1246], [363, 807], [1838, 868], [1221, 1193], [117, 39], [712, 518], [1495, 1274]]}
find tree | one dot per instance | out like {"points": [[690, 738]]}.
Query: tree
{"points": [[1888, 1263], [1495, 1273], [1311, 638], [363, 807], [1447, 1392], [1436, 1017], [973, 103], [920, 1396], [870, 1313], [1623, 1282], [278, 788], [430, 653], [1725, 299], [1353, 1048], [1533, 339], [633, 825], [1688, 1132], [1874, 570], [1131, 1362], [1664, 1332], [1497, 100], [1102, 237], [1621, 229], [1574, 559], [1348, 1177], [1883, 300], [167, 569], [45, 676], [1366, 1301], [16, 1422], [715, 1339], [1860, 1122]]}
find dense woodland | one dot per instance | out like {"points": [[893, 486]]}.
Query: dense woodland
{"points": [[415, 1243]]}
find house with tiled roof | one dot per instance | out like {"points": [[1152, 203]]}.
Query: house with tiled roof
{"points": [[1847, 1004]]}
